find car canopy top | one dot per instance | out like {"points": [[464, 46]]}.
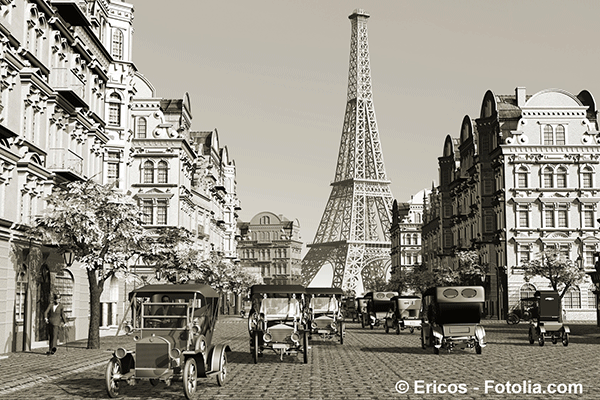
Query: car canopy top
{"points": [[380, 296], [324, 290], [277, 289], [186, 290]]}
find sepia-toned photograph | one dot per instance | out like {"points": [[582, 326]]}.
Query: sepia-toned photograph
{"points": [[199, 200]]}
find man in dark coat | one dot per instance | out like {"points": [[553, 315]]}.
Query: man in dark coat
{"points": [[55, 318]]}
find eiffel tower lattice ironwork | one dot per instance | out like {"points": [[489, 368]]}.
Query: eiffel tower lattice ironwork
{"points": [[353, 236]]}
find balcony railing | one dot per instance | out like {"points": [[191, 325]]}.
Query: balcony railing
{"points": [[64, 160], [66, 82]]}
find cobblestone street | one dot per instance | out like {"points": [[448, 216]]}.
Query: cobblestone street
{"points": [[367, 366]]}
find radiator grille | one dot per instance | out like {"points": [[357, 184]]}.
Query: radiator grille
{"points": [[281, 333], [152, 355]]}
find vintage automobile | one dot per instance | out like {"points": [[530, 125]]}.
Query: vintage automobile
{"points": [[379, 307], [546, 319], [277, 321], [450, 318], [522, 311], [173, 326], [405, 314], [349, 308], [324, 312]]}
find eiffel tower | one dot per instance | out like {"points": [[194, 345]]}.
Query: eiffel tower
{"points": [[353, 237]]}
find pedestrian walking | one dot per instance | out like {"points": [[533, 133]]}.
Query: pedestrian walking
{"points": [[55, 319]]}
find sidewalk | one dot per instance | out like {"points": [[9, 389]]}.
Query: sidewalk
{"points": [[30, 368]]}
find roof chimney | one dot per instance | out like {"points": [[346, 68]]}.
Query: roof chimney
{"points": [[521, 94]]}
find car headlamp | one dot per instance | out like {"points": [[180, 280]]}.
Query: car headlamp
{"points": [[120, 353], [195, 329], [267, 337], [333, 325], [295, 337], [313, 325]]}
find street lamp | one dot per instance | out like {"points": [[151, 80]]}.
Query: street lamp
{"points": [[595, 276], [68, 257]]}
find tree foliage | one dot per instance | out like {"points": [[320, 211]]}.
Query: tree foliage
{"points": [[102, 227], [557, 268], [467, 271], [421, 278]]}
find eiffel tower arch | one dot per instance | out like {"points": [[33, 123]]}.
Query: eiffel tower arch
{"points": [[354, 233]]}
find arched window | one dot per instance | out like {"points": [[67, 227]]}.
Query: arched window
{"points": [[548, 135], [114, 109], [587, 178], [20, 296], [572, 298], [162, 172], [527, 290], [591, 298], [560, 135], [117, 44], [141, 128], [64, 285], [561, 177], [148, 172], [548, 177], [522, 180]]}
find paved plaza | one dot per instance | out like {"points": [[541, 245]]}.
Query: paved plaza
{"points": [[369, 365]]}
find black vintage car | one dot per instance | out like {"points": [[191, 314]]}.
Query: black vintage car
{"points": [[173, 327], [379, 307], [325, 312], [405, 314], [451, 316], [546, 319], [278, 321]]}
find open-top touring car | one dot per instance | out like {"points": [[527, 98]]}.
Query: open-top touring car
{"points": [[405, 314], [324, 312]]}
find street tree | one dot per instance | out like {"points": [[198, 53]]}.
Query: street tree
{"points": [[100, 226], [468, 270], [172, 251], [557, 268], [421, 277]]}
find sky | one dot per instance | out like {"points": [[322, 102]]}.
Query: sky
{"points": [[272, 75]]}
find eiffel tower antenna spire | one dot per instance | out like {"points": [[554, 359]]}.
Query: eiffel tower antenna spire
{"points": [[353, 235]]}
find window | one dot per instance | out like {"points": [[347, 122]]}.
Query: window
{"points": [[148, 172], [117, 44], [141, 128], [549, 218], [114, 109], [572, 298], [20, 296], [527, 290], [561, 177], [591, 298], [547, 174], [548, 135], [161, 212], [588, 254], [562, 217], [522, 177], [265, 220], [162, 172], [147, 212], [113, 163], [523, 214], [560, 135], [588, 216], [523, 254], [587, 178], [64, 286]]}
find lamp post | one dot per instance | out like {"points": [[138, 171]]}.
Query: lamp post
{"points": [[68, 257], [595, 276]]}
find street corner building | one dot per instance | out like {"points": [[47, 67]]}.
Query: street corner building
{"points": [[520, 179], [73, 107]]}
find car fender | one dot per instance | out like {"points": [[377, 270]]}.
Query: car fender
{"points": [[542, 329], [215, 356], [480, 335], [566, 329]]}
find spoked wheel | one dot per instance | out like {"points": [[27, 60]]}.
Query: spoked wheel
{"points": [[541, 340], [305, 343], [342, 332], [154, 382], [565, 339], [190, 373], [362, 322], [531, 339], [398, 328], [554, 340], [387, 328], [112, 369], [412, 330], [255, 349], [478, 348], [222, 375], [512, 319], [423, 340], [436, 350]]}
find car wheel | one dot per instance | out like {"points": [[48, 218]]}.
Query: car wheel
{"points": [[387, 328], [565, 339], [554, 340], [512, 319], [362, 322], [305, 348], [255, 350], [541, 340], [190, 373], [412, 330], [342, 332], [154, 382], [222, 375], [436, 350], [531, 339], [478, 348], [423, 346], [112, 385]]}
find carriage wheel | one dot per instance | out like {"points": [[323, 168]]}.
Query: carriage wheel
{"points": [[190, 373], [112, 385], [512, 319], [255, 349], [222, 375]]}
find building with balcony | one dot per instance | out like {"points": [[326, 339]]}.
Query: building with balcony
{"points": [[270, 244], [518, 180]]}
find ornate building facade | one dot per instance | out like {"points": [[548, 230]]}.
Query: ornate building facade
{"points": [[270, 245], [520, 179], [73, 107]]}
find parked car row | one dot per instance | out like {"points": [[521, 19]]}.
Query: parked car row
{"points": [[173, 326]]}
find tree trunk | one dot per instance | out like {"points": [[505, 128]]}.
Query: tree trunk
{"points": [[95, 292]]}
